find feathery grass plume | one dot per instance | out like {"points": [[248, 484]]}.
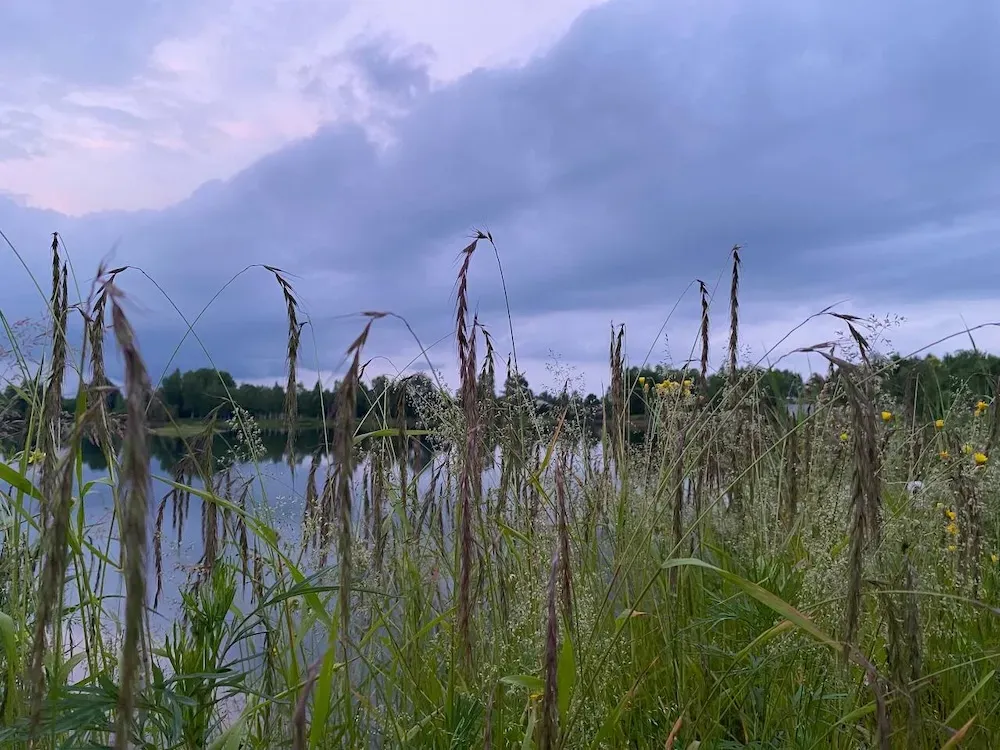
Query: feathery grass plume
{"points": [[56, 485], [210, 537], [866, 497], [565, 567], [310, 515], [135, 473], [327, 508], [158, 548], [970, 520], [241, 528], [56, 550], [703, 372], [366, 504], [618, 416], [343, 456], [299, 715], [895, 645], [550, 695], [883, 727], [292, 356], [98, 377], [378, 503], [52, 401], [486, 396], [466, 340], [790, 475], [404, 442], [734, 314]]}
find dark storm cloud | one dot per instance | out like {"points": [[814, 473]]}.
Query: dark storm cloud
{"points": [[851, 147]]}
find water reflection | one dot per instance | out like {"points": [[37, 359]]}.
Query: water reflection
{"points": [[168, 452]]}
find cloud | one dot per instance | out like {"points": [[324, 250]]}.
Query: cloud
{"points": [[97, 43], [612, 170]]}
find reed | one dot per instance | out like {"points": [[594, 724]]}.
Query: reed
{"points": [[531, 583]]}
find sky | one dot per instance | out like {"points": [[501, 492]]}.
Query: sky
{"points": [[615, 151]]}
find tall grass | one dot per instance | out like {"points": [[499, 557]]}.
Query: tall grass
{"points": [[730, 574]]}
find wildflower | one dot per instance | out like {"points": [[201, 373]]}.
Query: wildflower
{"points": [[944, 455], [981, 406], [939, 424], [642, 380], [979, 458], [36, 457], [667, 386], [886, 416], [952, 528], [939, 506], [995, 558], [966, 449], [952, 548], [843, 437], [950, 513], [686, 383]]}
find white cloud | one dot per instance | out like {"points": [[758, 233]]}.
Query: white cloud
{"points": [[226, 87]]}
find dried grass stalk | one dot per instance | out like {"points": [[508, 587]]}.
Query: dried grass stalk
{"points": [[466, 340], [550, 667], [294, 340], [734, 315], [135, 510]]}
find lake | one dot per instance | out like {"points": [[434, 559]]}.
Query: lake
{"points": [[272, 486]]}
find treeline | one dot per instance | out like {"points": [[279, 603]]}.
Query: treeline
{"points": [[205, 393], [930, 385]]}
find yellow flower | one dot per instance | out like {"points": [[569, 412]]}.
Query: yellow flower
{"points": [[979, 458], [642, 380], [939, 424], [687, 383], [950, 513], [886, 416], [36, 457], [966, 449], [981, 406], [952, 548], [952, 528], [843, 437], [944, 455], [939, 506]]}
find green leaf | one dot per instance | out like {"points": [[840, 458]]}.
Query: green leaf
{"points": [[529, 734], [323, 693], [18, 481], [389, 432], [765, 597], [565, 678], [232, 738], [972, 694], [530, 682], [8, 635]]}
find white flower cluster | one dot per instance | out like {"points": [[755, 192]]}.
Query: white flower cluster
{"points": [[248, 447]]}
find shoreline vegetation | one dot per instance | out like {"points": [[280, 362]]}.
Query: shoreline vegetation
{"points": [[748, 561]]}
